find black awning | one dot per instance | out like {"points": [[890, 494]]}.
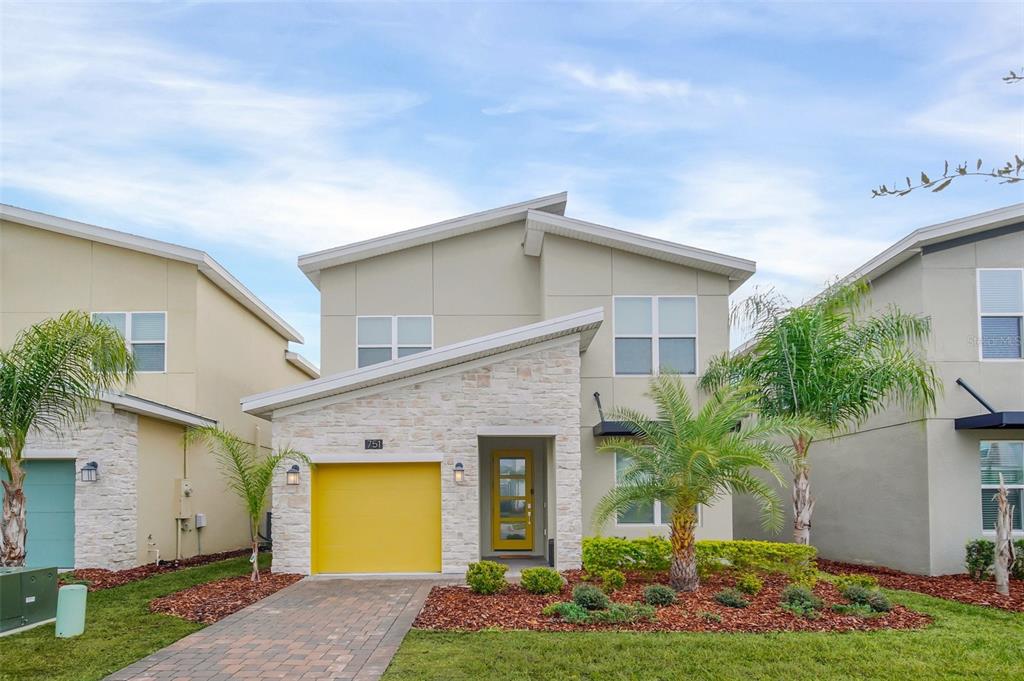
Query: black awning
{"points": [[620, 428], [997, 419]]}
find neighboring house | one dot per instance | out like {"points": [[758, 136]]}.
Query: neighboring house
{"points": [[201, 340], [909, 491], [456, 418]]}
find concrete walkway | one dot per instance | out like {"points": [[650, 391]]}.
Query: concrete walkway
{"points": [[313, 629]]}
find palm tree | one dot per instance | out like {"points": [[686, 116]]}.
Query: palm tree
{"points": [[827, 362], [49, 381], [248, 474], [684, 458]]}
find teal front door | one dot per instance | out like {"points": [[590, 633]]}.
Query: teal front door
{"points": [[50, 498]]}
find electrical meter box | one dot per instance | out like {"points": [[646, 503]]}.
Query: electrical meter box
{"points": [[27, 596], [200, 520], [183, 498]]}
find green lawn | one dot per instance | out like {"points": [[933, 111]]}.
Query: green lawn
{"points": [[964, 642], [119, 629]]}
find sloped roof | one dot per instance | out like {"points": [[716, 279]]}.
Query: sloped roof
{"points": [[209, 267], [584, 323], [139, 405]]}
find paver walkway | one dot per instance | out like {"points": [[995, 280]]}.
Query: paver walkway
{"points": [[313, 629]]}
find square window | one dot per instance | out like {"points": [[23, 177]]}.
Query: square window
{"points": [[414, 331], [149, 356], [114, 319], [633, 317], [678, 355], [1002, 457], [374, 331], [1002, 291], [990, 509], [1001, 338], [677, 316], [633, 356], [148, 326], [369, 356]]}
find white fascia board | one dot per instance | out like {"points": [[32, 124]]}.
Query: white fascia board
{"points": [[138, 405], [209, 267], [312, 263], [584, 323], [738, 270], [302, 363]]}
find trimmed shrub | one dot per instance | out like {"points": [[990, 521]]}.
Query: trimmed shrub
{"points": [[855, 609], [541, 580], [731, 598], [709, 616], [659, 595], [590, 597], [612, 581], [844, 581], [798, 595], [878, 602], [570, 612], [872, 598], [981, 556], [856, 594], [486, 577], [618, 613], [749, 583], [615, 553], [1017, 569]]}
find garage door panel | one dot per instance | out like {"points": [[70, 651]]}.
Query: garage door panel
{"points": [[377, 518]]}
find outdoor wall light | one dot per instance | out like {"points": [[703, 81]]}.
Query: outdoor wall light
{"points": [[292, 476], [90, 472], [460, 472]]}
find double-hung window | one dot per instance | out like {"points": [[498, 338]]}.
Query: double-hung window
{"points": [[656, 513], [382, 339], [655, 334], [1006, 457], [145, 333], [1001, 308]]}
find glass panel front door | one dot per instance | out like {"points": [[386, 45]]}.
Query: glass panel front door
{"points": [[512, 492]]}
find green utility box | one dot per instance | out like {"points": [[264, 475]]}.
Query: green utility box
{"points": [[27, 596]]}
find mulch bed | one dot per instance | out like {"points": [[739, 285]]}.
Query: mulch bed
{"points": [[98, 579], [207, 603], [951, 587], [458, 608]]}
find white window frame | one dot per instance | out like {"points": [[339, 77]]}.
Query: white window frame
{"points": [[1017, 315], [394, 334], [657, 504], [128, 333], [994, 487], [656, 336]]}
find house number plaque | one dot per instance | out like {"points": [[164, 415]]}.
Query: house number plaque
{"points": [[373, 444]]}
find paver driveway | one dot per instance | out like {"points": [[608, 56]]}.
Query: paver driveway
{"points": [[313, 629]]}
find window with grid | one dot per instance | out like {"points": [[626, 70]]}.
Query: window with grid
{"points": [[145, 333], [655, 334], [1006, 457], [382, 339], [1001, 306], [656, 513]]}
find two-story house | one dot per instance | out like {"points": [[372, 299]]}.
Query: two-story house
{"points": [[122, 489], [458, 415], [908, 490]]}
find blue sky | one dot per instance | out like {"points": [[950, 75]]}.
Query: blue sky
{"points": [[262, 131]]}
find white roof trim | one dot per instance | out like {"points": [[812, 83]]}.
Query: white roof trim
{"points": [[584, 323], [312, 263], [911, 245], [302, 363], [138, 405], [738, 270], [209, 267]]}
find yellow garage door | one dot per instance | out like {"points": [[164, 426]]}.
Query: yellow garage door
{"points": [[380, 517]]}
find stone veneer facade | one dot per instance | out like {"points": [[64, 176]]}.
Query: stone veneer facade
{"points": [[106, 511], [442, 412]]}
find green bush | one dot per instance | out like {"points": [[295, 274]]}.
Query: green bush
{"points": [[856, 594], [659, 594], [731, 598], [981, 556], [1017, 569], [590, 597], [855, 609], [486, 577], [879, 603], [709, 616], [749, 583], [618, 613], [847, 580], [541, 580], [570, 612], [612, 581], [801, 596], [615, 553]]}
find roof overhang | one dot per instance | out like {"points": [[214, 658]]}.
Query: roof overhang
{"points": [[1012, 420], [538, 223], [138, 405], [311, 264], [209, 267], [584, 324], [301, 363]]}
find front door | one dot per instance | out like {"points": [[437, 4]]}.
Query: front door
{"points": [[512, 494]]}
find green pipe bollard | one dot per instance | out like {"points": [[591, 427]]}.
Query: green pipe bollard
{"points": [[71, 610]]}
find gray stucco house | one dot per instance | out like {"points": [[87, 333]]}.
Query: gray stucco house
{"points": [[905, 490]]}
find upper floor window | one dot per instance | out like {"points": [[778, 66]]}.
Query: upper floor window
{"points": [[382, 339], [649, 513], [655, 334], [1001, 307], [145, 333], [1004, 457]]}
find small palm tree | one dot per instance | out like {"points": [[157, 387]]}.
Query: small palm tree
{"points": [[248, 474], [49, 381], [822, 361], [686, 458]]}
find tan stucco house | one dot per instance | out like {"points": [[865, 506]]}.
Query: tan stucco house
{"points": [[201, 341], [908, 490], [465, 367]]}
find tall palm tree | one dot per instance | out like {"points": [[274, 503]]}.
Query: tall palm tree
{"points": [[49, 381], [828, 361], [247, 472], [685, 458]]}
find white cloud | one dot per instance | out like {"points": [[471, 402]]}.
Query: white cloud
{"points": [[623, 82]]}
